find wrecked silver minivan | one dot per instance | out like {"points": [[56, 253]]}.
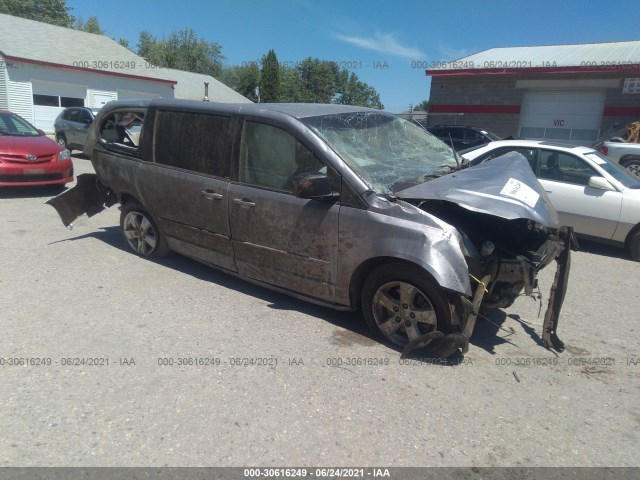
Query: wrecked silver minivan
{"points": [[343, 206]]}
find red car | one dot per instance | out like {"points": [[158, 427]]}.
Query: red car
{"points": [[28, 157]]}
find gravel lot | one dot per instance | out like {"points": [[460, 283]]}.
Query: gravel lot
{"points": [[79, 294]]}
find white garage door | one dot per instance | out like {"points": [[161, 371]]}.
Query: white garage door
{"points": [[562, 116], [98, 99], [50, 98]]}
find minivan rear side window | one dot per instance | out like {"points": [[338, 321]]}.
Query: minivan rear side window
{"points": [[194, 141]]}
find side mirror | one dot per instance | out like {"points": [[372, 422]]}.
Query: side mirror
{"points": [[87, 122], [312, 185], [601, 183], [41, 132]]}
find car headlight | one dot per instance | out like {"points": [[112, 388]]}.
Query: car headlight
{"points": [[64, 155]]}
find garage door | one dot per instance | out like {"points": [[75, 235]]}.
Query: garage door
{"points": [[562, 116], [50, 98], [97, 98]]}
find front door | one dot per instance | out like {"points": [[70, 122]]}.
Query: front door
{"points": [[279, 238], [588, 210]]}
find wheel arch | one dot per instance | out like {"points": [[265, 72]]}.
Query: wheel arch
{"points": [[360, 274], [629, 158], [125, 197], [630, 235]]}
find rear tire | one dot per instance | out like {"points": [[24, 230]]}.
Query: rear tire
{"points": [[634, 246], [141, 233], [402, 302], [633, 166]]}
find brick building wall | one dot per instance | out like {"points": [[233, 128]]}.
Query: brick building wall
{"points": [[493, 101]]}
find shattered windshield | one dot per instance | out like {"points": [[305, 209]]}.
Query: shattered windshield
{"points": [[387, 152]]}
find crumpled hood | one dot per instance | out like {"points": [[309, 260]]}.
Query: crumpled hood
{"points": [[504, 187]]}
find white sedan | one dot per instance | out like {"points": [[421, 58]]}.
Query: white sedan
{"points": [[598, 198]]}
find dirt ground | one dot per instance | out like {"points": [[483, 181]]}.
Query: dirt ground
{"points": [[107, 359]]}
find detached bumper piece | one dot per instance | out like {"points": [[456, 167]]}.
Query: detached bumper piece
{"points": [[558, 290], [88, 197], [445, 345]]}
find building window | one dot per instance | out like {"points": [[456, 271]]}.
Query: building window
{"points": [[71, 102], [56, 101], [46, 100], [631, 85]]}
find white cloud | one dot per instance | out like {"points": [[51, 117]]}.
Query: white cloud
{"points": [[452, 53], [383, 43]]}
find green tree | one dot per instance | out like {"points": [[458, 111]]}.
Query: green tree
{"points": [[55, 12], [423, 106], [92, 25], [319, 80], [352, 91], [270, 78], [310, 81], [183, 50], [291, 87], [124, 42], [243, 79]]}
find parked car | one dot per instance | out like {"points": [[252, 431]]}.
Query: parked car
{"points": [[615, 146], [72, 126], [343, 206], [462, 136], [593, 194], [28, 157]]}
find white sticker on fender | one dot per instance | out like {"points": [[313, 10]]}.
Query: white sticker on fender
{"points": [[516, 189]]}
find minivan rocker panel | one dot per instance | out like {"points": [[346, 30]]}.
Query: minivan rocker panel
{"points": [[309, 200]]}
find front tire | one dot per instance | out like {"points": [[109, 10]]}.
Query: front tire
{"points": [[62, 141], [141, 233], [402, 302]]}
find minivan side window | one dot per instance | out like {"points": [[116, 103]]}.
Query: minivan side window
{"points": [[193, 141], [270, 157], [121, 130]]}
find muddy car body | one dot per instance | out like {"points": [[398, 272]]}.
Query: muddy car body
{"points": [[344, 206]]}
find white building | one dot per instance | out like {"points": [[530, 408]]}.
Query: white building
{"points": [[44, 68]]}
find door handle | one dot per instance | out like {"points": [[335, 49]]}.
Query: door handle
{"points": [[548, 191], [211, 195], [243, 202]]}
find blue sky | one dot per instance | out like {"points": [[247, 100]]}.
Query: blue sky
{"points": [[385, 42]]}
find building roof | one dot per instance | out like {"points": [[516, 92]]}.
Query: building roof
{"points": [[190, 86], [578, 58], [28, 41]]}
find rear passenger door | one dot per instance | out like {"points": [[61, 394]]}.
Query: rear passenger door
{"points": [[186, 187], [279, 238], [72, 126]]}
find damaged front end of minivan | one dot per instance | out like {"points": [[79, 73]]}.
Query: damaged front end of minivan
{"points": [[510, 233]]}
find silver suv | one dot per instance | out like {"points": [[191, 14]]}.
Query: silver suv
{"points": [[343, 206], [72, 127]]}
